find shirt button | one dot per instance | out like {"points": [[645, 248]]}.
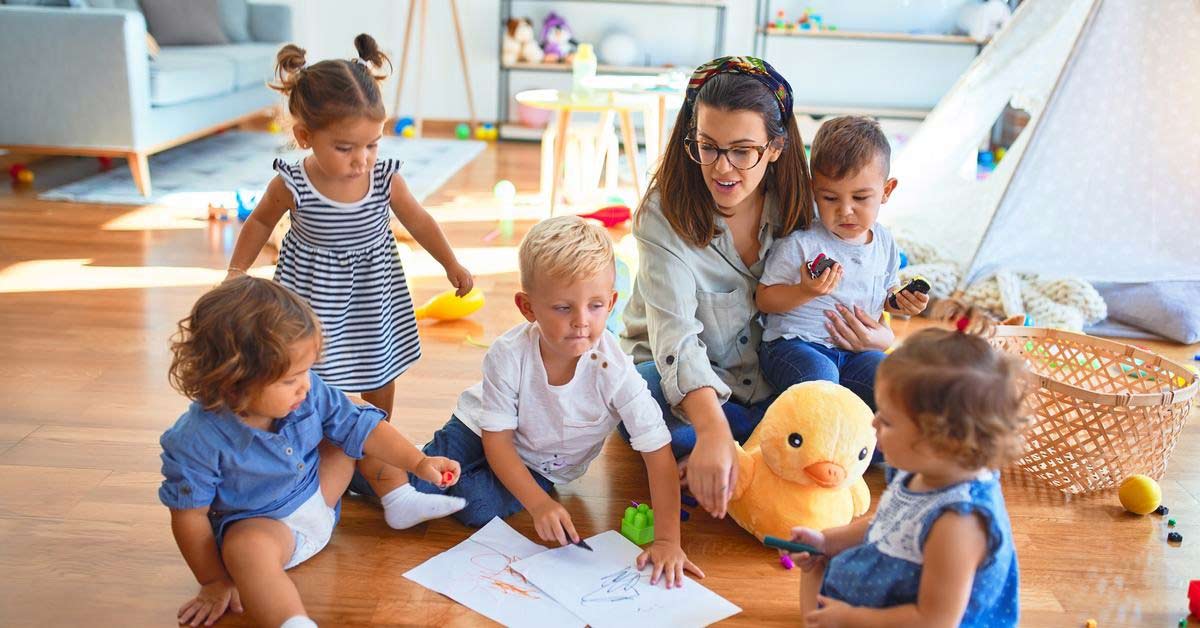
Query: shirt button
{"points": [[670, 360], [747, 382], [300, 467], [288, 451], [743, 340]]}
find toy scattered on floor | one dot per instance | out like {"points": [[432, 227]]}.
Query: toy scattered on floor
{"points": [[449, 307], [916, 284], [25, 177], [402, 124], [1170, 523], [1194, 598], [558, 42], [638, 524], [803, 464], [1162, 510], [245, 205], [1091, 623], [486, 132], [819, 264], [689, 501], [610, 216], [786, 561], [683, 514], [409, 131], [1140, 494], [218, 212], [20, 174], [462, 131], [106, 163], [1183, 623], [1174, 537], [16, 169], [519, 44]]}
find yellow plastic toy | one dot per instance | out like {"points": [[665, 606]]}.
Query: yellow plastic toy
{"points": [[1140, 494], [804, 463], [448, 307]]}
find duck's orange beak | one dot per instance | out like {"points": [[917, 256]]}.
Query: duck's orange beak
{"points": [[826, 474]]}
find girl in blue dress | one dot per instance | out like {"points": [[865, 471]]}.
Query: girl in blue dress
{"points": [[939, 549]]}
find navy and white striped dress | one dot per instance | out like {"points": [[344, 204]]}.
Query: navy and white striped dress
{"points": [[342, 258]]}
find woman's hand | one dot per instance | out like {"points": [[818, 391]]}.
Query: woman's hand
{"points": [[712, 471], [553, 523], [460, 278], [210, 603], [438, 470], [856, 331], [669, 561]]}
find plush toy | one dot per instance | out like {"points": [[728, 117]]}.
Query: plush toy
{"points": [[519, 44], [803, 464], [557, 42], [981, 21]]}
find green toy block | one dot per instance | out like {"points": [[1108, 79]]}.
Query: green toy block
{"points": [[638, 524]]}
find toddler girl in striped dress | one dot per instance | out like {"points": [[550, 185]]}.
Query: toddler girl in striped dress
{"points": [[340, 254]]}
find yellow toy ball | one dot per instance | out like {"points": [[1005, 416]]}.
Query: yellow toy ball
{"points": [[1140, 495], [408, 131], [25, 177]]}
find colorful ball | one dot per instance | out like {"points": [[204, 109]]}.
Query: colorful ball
{"points": [[409, 131], [1140, 494], [25, 177], [462, 131]]}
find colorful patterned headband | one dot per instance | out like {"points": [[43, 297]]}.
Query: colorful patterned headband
{"points": [[753, 67]]}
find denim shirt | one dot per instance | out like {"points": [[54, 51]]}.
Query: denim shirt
{"points": [[213, 459], [692, 310]]}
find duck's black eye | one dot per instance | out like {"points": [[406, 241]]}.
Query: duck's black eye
{"points": [[862, 454], [795, 440]]}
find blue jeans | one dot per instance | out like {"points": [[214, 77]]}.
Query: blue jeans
{"points": [[742, 418], [790, 361], [485, 494]]}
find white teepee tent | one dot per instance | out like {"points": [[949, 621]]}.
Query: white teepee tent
{"points": [[1104, 182]]}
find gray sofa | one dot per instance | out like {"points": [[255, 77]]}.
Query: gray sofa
{"points": [[79, 81]]}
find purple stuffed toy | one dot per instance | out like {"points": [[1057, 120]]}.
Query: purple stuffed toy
{"points": [[556, 38]]}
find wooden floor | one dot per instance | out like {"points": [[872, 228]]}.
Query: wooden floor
{"points": [[89, 295]]}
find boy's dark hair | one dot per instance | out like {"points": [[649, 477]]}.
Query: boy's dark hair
{"points": [[686, 202], [327, 91], [237, 340], [965, 396], [846, 144]]}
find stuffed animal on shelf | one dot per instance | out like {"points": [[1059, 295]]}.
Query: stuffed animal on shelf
{"points": [[519, 44], [557, 40], [804, 463]]}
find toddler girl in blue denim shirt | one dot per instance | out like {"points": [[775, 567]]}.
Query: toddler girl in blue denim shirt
{"points": [[255, 469]]}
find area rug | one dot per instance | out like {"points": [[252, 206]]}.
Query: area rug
{"points": [[214, 169]]}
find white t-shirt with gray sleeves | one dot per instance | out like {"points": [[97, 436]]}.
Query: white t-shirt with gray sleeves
{"points": [[869, 272], [559, 430]]}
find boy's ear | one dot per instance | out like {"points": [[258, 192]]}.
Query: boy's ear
{"points": [[888, 187], [526, 308], [302, 135], [613, 301]]}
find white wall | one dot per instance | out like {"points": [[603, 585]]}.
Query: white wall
{"points": [[676, 35]]}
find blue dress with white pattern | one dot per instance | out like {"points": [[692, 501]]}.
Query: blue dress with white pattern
{"points": [[886, 569], [342, 258]]}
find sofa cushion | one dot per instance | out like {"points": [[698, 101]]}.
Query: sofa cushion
{"points": [[180, 75], [253, 63], [176, 23], [235, 20]]}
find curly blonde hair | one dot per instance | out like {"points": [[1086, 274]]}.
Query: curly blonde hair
{"points": [[966, 398], [564, 247], [237, 340], [325, 92]]}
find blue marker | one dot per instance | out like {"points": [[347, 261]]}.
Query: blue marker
{"points": [[791, 546]]}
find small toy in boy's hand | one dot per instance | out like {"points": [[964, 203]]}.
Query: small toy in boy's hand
{"points": [[917, 284], [819, 264], [447, 477]]}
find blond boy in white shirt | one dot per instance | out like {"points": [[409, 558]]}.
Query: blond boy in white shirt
{"points": [[553, 389]]}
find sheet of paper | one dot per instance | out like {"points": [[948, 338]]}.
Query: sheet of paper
{"points": [[477, 574], [605, 588]]}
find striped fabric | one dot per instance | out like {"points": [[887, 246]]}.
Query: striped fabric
{"points": [[342, 258]]}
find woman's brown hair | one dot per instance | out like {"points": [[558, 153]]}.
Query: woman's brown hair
{"points": [[965, 396], [237, 340], [331, 90], [686, 201]]}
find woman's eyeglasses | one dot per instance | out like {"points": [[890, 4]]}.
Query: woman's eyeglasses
{"points": [[740, 157]]}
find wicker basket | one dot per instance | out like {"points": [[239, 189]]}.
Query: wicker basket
{"points": [[1103, 410]]}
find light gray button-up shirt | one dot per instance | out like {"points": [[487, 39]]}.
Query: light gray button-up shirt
{"points": [[692, 309]]}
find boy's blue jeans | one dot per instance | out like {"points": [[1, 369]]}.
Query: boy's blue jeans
{"points": [[485, 494], [790, 361], [742, 418]]}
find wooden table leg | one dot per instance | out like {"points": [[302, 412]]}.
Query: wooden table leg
{"points": [[561, 125], [630, 141]]}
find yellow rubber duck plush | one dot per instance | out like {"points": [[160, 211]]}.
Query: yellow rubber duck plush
{"points": [[804, 463]]}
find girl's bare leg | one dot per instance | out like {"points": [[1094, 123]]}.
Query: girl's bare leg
{"points": [[255, 552]]}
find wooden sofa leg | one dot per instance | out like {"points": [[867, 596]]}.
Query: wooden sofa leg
{"points": [[139, 166]]}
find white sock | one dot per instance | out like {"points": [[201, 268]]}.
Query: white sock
{"points": [[299, 621], [404, 507]]}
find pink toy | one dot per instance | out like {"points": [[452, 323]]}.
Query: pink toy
{"points": [[786, 561]]}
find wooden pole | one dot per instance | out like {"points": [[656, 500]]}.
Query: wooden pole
{"points": [[412, 5], [462, 55], [420, 65]]}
